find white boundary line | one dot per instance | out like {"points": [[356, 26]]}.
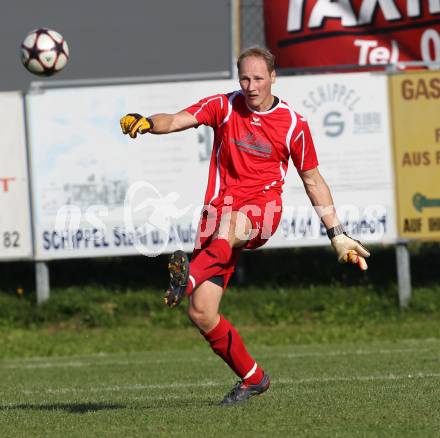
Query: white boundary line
{"points": [[428, 344], [57, 362], [177, 385]]}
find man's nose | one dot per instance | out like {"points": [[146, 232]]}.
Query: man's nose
{"points": [[251, 85]]}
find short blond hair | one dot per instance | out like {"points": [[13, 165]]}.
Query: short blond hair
{"points": [[258, 52]]}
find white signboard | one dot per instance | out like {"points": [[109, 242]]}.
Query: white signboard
{"points": [[15, 236], [99, 193], [349, 120], [83, 170]]}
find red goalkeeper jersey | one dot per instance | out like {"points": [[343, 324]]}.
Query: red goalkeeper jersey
{"points": [[251, 149]]}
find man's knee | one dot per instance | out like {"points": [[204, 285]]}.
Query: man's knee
{"points": [[205, 319], [201, 318], [194, 315], [204, 304]]}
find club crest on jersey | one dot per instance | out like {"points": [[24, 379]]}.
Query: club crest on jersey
{"points": [[255, 121], [251, 144]]}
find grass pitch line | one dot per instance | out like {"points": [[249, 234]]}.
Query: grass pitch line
{"points": [[36, 363], [177, 385], [74, 364], [410, 376], [357, 353]]}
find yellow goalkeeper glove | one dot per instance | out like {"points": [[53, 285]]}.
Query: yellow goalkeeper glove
{"points": [[134, 123], [349, 250]]}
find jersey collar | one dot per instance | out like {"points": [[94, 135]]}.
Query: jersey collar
{"points": [[273, 108]]}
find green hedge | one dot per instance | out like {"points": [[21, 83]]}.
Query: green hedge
{"points": [[98, 307]]}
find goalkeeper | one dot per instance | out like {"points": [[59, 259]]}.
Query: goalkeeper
{"points": [[255, 134]]}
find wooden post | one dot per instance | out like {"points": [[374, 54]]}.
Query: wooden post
{"points": [[403, 273], [235, 36], [42, 282]]}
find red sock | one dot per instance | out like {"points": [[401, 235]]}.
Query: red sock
{"points": [[227, 343], [208, 263]]}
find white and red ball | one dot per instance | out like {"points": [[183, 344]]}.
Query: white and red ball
{"points": [[44, 52]]}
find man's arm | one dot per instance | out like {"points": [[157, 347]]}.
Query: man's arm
{"points": [[166, 123], [348, 250], [134, 124], [319, 194]]}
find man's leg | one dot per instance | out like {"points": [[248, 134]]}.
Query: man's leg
{"points": [[203, 308], [233, 231], [225, 341], [210, 261]]}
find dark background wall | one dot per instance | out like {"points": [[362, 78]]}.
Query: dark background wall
{"points": [[114, 38]]}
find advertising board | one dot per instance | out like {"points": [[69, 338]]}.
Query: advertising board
{"points": [[415, 99], [15, 235]]}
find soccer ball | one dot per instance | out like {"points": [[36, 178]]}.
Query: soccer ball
{"points": [[44, 52]]}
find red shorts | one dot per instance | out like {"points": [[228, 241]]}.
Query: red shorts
{"points": [[263, 210]]}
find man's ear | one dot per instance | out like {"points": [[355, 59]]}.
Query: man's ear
{"points": [[273, 77]]}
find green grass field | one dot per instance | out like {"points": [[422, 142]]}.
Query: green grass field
{"points": [[347, 389], [344, 361]]}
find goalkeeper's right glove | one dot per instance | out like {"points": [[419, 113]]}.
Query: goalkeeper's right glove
{"points": [[350, 250], [134, 123]]}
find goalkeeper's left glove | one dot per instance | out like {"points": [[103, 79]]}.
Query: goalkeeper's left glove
{"points": [[134, 123], [349, 250]]}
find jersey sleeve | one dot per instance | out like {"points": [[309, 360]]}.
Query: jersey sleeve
{"points": [[302, 149], [210, 111]]}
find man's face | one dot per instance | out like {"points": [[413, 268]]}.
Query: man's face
{"points": [[256, 83]]}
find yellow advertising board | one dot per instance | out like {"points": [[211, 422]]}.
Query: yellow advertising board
{"points": [[415, 101]]}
